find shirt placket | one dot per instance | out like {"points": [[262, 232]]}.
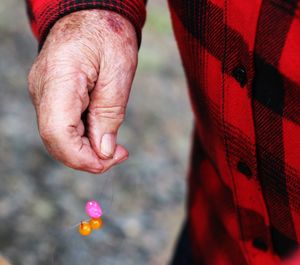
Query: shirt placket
{"points": [[240, 23]]}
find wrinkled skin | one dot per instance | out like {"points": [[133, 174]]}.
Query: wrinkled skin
{"points": [[86, 65]]}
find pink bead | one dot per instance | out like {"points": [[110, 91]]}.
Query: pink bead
{"points": [[93, 209]]}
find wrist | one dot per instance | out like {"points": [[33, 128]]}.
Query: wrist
{"points": [[91, 27]]}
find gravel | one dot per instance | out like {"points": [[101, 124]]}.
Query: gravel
{"points": [[41, 201]]}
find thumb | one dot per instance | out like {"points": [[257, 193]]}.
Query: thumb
{"points": [[106, 113], [104, 122]]}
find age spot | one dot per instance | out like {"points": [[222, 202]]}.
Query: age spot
{"points": [[115, 25]]}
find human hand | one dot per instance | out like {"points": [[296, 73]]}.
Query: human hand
{"points": [[86, 66]]}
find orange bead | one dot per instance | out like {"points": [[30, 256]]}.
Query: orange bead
{"points": [[85, 228], [96, 223]]}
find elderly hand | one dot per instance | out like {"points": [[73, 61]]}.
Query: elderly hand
{"points": [[86, 66]]}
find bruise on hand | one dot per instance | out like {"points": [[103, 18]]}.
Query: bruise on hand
{"points": [[115, 24]]}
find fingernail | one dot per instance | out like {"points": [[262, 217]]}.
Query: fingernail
{"points": [[108, 143]]}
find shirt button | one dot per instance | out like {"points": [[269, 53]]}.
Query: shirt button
{"points": [[243, 168], [240, 74], [260, 244]]}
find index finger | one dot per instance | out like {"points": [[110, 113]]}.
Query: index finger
{"points": [[64, 99]]}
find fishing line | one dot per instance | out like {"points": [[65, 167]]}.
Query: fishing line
{"points": [[112, 236]]}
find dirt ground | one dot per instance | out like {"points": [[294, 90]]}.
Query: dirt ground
{"points": [[41, 201]]}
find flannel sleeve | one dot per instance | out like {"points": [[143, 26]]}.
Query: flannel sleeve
{"points": [[44, 13]]}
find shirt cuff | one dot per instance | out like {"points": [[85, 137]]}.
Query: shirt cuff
{"points": [[44, 13]]}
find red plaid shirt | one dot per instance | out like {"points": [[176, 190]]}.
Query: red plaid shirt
{"points": [[242, 62]]}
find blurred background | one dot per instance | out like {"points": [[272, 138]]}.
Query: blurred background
{"points": [[41, 201]]}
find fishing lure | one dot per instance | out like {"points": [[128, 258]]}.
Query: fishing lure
{"points": [[94, 211]]}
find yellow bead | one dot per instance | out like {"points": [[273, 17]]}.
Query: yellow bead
{"points": [[96, 223], [85, 228]]}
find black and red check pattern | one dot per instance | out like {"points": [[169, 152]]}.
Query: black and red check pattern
{"points": [[242, 62]]}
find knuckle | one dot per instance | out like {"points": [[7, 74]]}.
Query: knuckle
{"points": [[78, 165], [30, 75], [31, 78], [47, 134], [73, 165], [128, 61], [114, 113], [35, 79], [96, 171]]}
